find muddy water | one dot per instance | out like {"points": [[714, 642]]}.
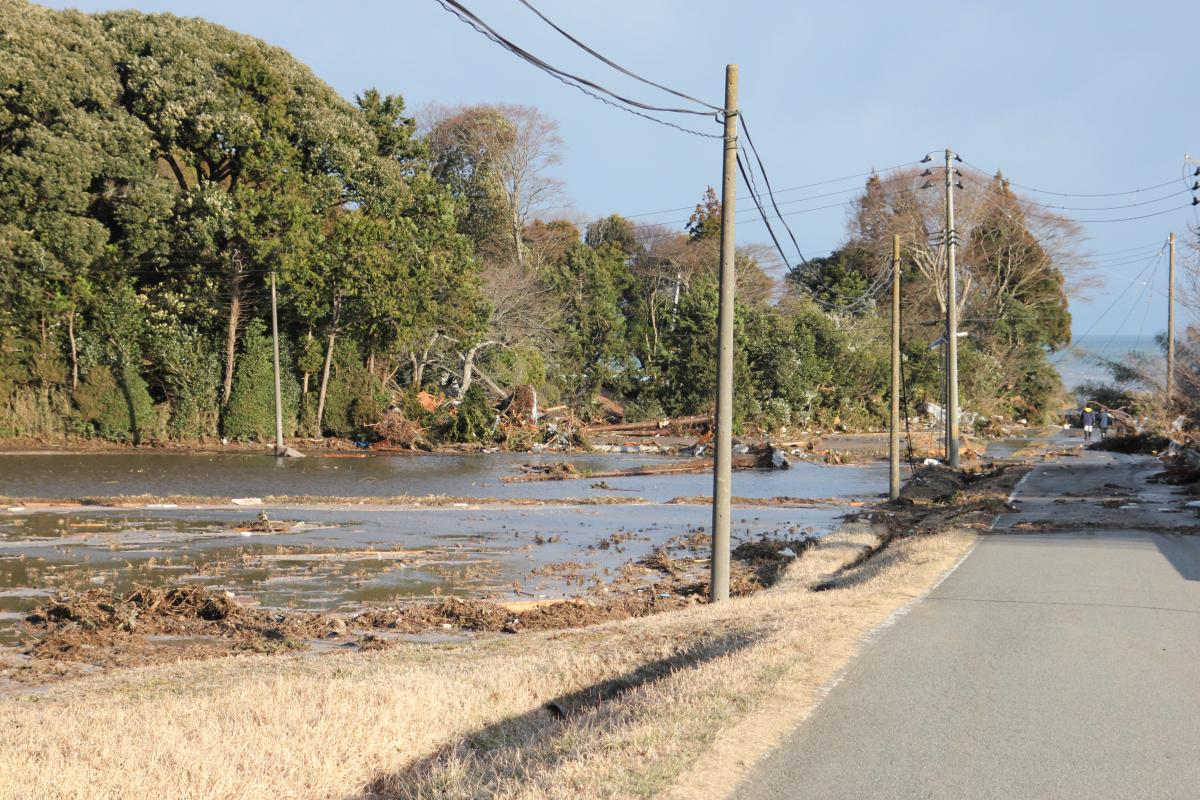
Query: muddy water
{"points": [[340, 558], [66, 475]]}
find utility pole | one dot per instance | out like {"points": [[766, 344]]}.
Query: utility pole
{"points": [[280, 449], [1171, 323], [894, 439], [718, 585], [952, 433]]}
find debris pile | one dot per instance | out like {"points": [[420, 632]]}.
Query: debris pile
{"points": [[396, 430]]}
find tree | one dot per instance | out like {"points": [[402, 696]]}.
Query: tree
{"points": [[71, 183], [259, 149], [1015, 262], [705, 222], [589, 285], [496, 161]]}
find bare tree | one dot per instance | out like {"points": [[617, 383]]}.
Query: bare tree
{"points": [[499, 155]]}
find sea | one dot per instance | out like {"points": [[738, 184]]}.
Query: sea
{"points": [[1082, 361]]}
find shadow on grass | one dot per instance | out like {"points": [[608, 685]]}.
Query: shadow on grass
{"points": [[508, 753]]}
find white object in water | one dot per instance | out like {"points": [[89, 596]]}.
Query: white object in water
{"points": [[247, 501], [161, 505], [1191, 504], [787, 552]]}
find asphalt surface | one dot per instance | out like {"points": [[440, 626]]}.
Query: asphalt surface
{"points": [[1060, 660]]}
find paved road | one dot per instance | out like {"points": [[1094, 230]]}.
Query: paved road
{"points": [[1049, 665]]}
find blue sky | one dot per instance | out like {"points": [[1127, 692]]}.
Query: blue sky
{"points": [[1069, 97]]}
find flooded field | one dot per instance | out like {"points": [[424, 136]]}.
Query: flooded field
{"points": [[71, 475], [340, 558]]}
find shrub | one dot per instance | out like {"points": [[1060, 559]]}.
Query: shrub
{"points": [[354, 398], [118, 409], [472, 421], [250, 413]]}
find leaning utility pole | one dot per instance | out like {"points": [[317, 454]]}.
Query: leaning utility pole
{"points": [[951, 321], [894, 438], [1171, 323], [718, 586], [279, 446]]}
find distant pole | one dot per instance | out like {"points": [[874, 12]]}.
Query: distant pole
{"points": [[952, 433], [279, 446], [1171, 324], [718, 588], [894, 438]]}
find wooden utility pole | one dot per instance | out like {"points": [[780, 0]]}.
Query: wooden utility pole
{"points": [[952, 434], [894, 438], [718, 585], [280, 448], [1171, 323]]}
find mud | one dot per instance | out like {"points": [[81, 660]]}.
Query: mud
{"points": [[74, 633], [101, 587]]}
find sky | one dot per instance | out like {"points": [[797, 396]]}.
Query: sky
{"points": [[1070, 97]]}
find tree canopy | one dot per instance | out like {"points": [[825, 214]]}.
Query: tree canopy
{"points": [[156, 171]]}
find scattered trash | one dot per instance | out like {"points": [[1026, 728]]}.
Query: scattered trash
{"points": [[246, 501], [931, 462], [155, 505], [787, 552]]}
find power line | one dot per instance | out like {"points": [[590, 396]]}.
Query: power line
{"points": [[590, 88], [1110, 208], [1057, 217], [770, 193], [614, 64], [1132, 307], [867, 297], [1073, 194], [792, 189], [1151, 262]]}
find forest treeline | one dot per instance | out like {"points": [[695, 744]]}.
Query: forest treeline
{"points": [[156, 171]]}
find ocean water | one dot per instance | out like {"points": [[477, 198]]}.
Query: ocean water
{"points": [[1082, 361]]}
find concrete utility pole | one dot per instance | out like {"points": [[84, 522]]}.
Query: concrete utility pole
{"points": [[718, 585], [894, 438], [1171, 323], [952, 433], [280, 448]]}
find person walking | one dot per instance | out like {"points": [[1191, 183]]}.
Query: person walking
{"points": [[1088, 420], [1103, 420]]}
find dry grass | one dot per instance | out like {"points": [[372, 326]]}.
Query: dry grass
{"points": [[634, 703]]}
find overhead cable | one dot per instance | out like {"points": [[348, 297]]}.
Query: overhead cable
{"points": [[590, 88], [614, 64]]}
